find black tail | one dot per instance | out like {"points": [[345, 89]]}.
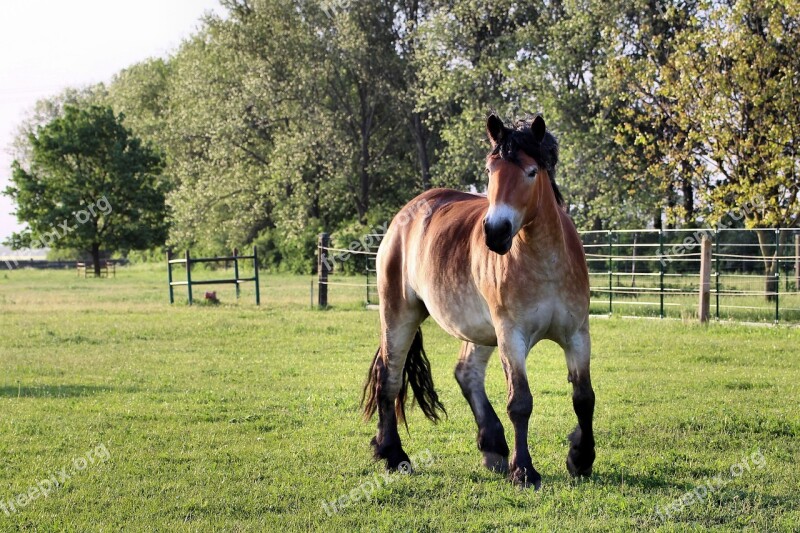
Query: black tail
{"points": [[417, 373]]}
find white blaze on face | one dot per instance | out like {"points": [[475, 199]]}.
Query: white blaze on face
{"points": [[500, 213]]}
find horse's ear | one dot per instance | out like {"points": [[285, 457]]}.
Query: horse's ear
{"points": [[538, 128], [496, 129]]}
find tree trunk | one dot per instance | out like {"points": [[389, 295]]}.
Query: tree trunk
{"points": [[362, 200], [421, 140], [670, 205], [688, 197], [96, 259]]}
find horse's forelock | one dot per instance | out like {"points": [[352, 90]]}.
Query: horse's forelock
{"points": [[544, 152]]}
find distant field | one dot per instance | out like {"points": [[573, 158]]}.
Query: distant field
{"points": [[244, 418]]}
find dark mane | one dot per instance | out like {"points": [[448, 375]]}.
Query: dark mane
{"points": [[545, 152]]}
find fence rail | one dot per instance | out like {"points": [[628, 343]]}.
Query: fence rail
{"points": [[188, 261], [753, 275]]}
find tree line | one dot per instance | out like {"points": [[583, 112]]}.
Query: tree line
{"points": [[284, 118]]}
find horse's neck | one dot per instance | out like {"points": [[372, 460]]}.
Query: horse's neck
{"points": [[545, 232]]}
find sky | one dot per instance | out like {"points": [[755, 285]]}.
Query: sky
{"points": [[49, 45]]}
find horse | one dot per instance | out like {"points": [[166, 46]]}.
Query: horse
{"points": [[505, 269]]}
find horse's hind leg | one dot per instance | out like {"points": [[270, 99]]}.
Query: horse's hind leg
{"points": [[581, 453], [471, 375], [385, 380]]}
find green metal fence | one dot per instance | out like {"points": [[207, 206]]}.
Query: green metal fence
{"points": [[656, 273]]}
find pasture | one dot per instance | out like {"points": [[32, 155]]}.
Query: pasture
{"points": [[244, 418]]}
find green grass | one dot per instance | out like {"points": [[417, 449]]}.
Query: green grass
{"points": [[240, 418]]}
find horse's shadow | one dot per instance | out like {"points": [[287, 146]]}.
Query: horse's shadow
{"points": [[643, 481]]}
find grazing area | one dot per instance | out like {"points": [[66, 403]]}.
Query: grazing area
{"points": [[245, 418]]}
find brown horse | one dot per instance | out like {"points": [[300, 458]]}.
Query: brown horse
{"points": [[506, 270]]}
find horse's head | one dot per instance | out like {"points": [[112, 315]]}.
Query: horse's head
{"points": [[520, 156]]}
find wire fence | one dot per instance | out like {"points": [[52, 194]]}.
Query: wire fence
{"points": [[755, 274]]}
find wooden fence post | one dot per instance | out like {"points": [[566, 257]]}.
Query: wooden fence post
{"points": [[189, 275], [169, 278], [705, 279], [323, 269], [236, 270], [255, 268], [797, 262]]}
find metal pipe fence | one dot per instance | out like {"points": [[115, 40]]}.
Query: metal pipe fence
{"points": [[755, 273]]}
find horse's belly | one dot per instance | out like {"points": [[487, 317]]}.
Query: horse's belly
{"points": [[463, 315]]}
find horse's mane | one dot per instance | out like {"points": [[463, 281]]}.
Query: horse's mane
{"points": [[520, 137]]}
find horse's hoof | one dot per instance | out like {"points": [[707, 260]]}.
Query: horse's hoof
{"points": [[525, 478], [495, 462], [579, 468], [403, 467], [396, 458]]}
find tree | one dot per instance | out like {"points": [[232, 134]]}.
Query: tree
{"points": [[735, 85], [89, 185]]}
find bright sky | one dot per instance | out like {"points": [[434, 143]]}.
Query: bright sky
{"points": [[48, 45]]}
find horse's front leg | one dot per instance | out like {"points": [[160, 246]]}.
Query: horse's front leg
{"points": [[513, 352], [581, 453], [471, 376]]}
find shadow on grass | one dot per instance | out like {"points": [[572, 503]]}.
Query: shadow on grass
{"points": [[644, 481], [52, 391]]}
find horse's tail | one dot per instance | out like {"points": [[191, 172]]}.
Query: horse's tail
{"points": [[417, 373]]}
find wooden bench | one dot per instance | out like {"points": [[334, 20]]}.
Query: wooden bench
{"points": [[106, 268]]}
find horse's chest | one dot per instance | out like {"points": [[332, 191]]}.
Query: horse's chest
{"points": [[549, 318]]}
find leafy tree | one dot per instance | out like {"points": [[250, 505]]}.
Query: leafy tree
{"points": [[736, 86], [141, 93], [463, 57], [657, 164], [48, 109], [89, 185]]}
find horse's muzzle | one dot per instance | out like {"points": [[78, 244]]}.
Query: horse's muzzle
{"points": [[498, 236]]}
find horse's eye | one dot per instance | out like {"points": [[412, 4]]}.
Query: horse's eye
{"points": [[532, 173]]}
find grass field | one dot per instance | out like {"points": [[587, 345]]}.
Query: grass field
{"points": [[240, 418]]}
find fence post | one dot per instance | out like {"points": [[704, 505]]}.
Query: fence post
{"points": [[716, 275], [236, 270], [777, 274], [189, 275], [169, 277], [705, 278], [610, 273], [322, 269], [661, 271], [255, 275], [797, 262]]}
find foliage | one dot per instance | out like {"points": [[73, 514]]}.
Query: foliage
{"points": [[284, 117], [89, 185]]}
